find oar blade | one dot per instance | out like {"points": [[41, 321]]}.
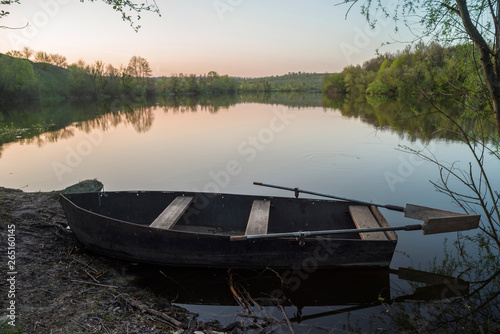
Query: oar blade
{"points": [[423, 212], [450, 224], [420, 276]]}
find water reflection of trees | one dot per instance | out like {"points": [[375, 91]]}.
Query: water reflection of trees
{"points": [[475, 312], [410, 117], [41, 123], [141, 118], [289, 99], [192, 103], [63, 117]]}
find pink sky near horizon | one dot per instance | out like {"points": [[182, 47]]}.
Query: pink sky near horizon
{"points": [[235, 37]]}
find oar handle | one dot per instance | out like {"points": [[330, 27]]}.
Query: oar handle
{"points": [[238, 237], [297, 191], [394, 207], [414, 227], [301, 234]]}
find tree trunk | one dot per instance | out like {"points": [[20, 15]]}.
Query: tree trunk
{"points": [[488, 57]]}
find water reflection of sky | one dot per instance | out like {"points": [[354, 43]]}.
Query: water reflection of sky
{"points": [[173, 148]]}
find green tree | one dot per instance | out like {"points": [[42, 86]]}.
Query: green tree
{"points": [[379, 87], [385, 64], [334, 84], [139, 68], [138, 73], [212, 75], [224, 85], [112, 88], [193, 86], [17, 79], [81, 83], [100, 80], [175, 84], [400, 62], [354, 79]]}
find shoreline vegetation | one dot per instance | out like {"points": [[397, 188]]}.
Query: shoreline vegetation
{"points": [[428, 70], [48, 77]]}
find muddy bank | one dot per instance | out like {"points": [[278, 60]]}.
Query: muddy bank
{"points": [[53, 285]]}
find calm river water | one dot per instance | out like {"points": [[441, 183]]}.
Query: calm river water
{"points": [[225, 148]]}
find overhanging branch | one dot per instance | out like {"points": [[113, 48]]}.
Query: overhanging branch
{"points": [[15, 28]]}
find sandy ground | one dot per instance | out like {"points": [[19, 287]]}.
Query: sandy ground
{"points": [[50, 284]]}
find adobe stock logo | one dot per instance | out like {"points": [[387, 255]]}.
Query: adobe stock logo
{"points": [[248, 150], [363, 37], [75, 155], [49, 9], [405, 168], [407, 165], [223, 6]]}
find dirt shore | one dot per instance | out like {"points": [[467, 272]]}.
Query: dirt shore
{"points": [[54, 286]]}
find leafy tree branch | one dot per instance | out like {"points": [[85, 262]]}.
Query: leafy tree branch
{"points": [[130, 10], [124, 7]]}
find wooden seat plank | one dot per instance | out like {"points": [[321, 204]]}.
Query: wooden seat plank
{"points": [[363, 218], [391, 235], [259, 218], [172, 213]]}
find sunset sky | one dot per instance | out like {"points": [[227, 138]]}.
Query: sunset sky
{"points": [[247, 38]]}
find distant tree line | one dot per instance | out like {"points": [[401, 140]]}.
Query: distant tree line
{"points": [[48, 76], [30, 75], [37, 75], [430, 68], [290, 82], [98, 81], [192, 84], [265, 85]]}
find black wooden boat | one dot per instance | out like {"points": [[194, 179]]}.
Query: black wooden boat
{"points": [[205, 229]]}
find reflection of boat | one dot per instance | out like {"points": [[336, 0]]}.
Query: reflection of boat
{"points": [[195, 229], [217, 286], [326, 291]]}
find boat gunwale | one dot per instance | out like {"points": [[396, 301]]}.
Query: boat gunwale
{"points": [[142, 226], [173, 231]]}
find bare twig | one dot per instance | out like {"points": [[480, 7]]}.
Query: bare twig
{"points": [[482, 189], [90, 275], [287, 319], [92, 283], [143, 308], [85, 264]]}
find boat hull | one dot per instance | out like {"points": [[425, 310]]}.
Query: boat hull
{"points": [[134, 240]]}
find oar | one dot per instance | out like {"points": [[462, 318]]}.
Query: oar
{"points": [[431, 226], [410, 210]]}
